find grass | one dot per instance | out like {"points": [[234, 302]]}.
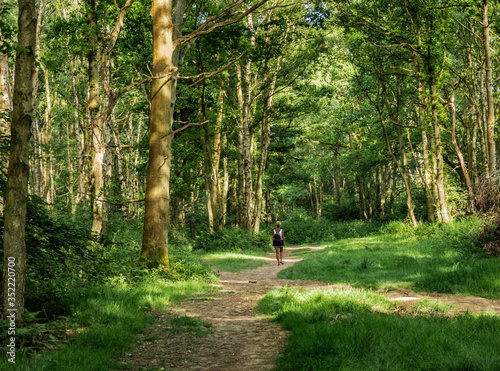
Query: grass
{"points": [[385, 262], [236, 261], [106, 321], [359, 329], [356, 330]]}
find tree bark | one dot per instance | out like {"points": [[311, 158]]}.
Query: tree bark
{"points": [[5, 108], [383, 191], [96, 120], [458, 151], [48, 178], [245, 173], [490, 126], [37, 167], [14, 242], [167, 23], [81, 141], [362, 199], [443, 215]]}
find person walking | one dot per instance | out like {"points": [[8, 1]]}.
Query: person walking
{"points": [[279, 242]]}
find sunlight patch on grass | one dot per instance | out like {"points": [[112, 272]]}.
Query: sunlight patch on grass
{"points": [[236, 262]]}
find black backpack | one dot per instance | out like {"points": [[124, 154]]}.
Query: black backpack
{"points": [[277, 236]]}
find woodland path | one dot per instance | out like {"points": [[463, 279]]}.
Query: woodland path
{"points": [[242, 339]]}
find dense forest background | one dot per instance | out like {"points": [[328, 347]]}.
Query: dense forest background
{"points": [[278, 110]]}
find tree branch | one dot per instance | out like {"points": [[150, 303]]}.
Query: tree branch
{"points": [[207, 75], [206, 28], [189, 125]]}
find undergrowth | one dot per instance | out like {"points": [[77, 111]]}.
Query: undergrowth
{"points": [[232, 239], [301, 227], [87, 298]]}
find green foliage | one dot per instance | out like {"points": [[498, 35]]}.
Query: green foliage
{"points": [[398, 228], [186, 266], [301, 227], [60, 258], [355, 330], [459, 235], [232, 239], [8, 26], [104, 293]]}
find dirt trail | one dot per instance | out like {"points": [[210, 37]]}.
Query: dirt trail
{"points": [[242, 339]]}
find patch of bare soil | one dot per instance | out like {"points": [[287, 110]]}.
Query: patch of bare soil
{"points": [[242, 339]]}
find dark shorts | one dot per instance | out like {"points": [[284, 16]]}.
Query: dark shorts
{"points": [[278, 244]]}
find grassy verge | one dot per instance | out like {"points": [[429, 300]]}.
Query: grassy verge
{"points": [[356, 330], [439, 262], [235, 261], [104, 324]]}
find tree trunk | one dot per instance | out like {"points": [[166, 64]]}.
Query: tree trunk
{"points": [[393, 192], [96, 120], [14, 242], [80, 138], [460, 156], [369, 198], [234, 203], [122, 183], [383, 191], [211, 166], [362, 199], [225, 190], [167, 24], [490, 125], [134, 185], [338, 187], [269, 216], [483, 124], [443, 215], [245, 177], [5, 107], [48, 178], [37, 167]]}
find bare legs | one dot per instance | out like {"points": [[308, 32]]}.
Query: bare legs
{"points": [[279, 254]]}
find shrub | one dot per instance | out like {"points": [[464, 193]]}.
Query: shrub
{"points": [[60, 257], [301, 227], [489, 238], [398, 228], [232, 239], [487, 199]]}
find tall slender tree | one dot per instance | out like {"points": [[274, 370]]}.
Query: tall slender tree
{"points": [[14, 242]]}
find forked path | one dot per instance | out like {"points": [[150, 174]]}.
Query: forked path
{"points": [[241, 339]]}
